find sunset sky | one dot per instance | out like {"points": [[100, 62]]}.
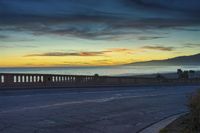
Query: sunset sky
{"points": [[42, 33]]}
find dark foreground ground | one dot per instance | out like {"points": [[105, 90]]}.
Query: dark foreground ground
{"points": [[177, 126], [126, 110]]}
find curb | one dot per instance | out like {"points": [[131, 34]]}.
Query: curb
{"points": [[158, 125]]}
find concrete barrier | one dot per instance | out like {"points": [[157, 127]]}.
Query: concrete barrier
{"points": [[17, 80]]}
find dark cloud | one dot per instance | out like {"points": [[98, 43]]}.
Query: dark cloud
{"points": [[96, 28], [188, 29], [85, 53], [161, 48], [149, 37], [94, 19], [191, 45], [9, 38], [17, 46], [183, 7], [3, 37], [68, 54]]}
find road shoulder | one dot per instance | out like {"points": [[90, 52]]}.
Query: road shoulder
{"points": [[156, 127]]}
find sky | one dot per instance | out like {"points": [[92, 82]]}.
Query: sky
{"points": [[46, 33]]}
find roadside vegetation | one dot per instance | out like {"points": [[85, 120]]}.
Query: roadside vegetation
{"points": [[194, 116], [190, 123]]}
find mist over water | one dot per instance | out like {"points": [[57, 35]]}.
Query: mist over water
{"points": [[111, 70]]}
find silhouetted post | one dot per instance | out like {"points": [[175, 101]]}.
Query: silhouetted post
{"points": [[185, 75], [180, 73], [192, 73]]}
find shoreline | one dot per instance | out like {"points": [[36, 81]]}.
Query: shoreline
{"points": [[103, 71]]}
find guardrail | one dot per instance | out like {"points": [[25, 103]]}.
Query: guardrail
{"points": [[47, 81]]}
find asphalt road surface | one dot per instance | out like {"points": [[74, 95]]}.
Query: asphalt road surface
{"points": [[102, 110]]}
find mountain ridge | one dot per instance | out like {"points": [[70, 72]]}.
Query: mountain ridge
{"points": [[180, 60]]}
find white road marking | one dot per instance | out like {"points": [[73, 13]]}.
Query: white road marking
{"points": [[89, 92], [101, 100]]}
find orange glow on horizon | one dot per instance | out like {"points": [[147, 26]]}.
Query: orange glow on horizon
{"points": [[108, 59]]}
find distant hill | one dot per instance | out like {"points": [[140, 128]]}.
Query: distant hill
{"points": [[181, 60]]}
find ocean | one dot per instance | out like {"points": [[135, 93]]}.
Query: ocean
{"points": [[106, 70]]}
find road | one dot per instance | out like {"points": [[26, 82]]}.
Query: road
{"points": [[102, 110]]}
